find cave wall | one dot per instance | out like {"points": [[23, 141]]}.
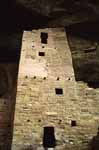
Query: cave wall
{"points": [[61, 12], [58, 13], [46, 7]]}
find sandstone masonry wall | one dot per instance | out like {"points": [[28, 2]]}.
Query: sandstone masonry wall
{"points": [[38, 105]]}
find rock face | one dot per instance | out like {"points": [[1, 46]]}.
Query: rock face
{"points": [[58, 12], [41, 6], [72, 11], [46, 7]]}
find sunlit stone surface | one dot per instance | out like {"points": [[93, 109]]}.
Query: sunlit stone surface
{"points": [[48, 95], [37, 104]]}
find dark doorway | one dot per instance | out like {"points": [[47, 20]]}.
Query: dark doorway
{"points": [[49, 137]]}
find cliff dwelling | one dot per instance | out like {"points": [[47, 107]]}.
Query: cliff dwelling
{"points": [[49, 75]]}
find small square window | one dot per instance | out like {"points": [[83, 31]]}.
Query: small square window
{"points": [[59, 91], [41, 54]]}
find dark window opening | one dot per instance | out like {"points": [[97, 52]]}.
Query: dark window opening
{"points": [[59, 91], [73, 123], [49, 137], [44, 37], [41, 54]]}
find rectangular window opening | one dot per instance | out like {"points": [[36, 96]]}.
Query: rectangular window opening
{"points": [[41, 53], [44, 37], [59, 91], [73, 123]]}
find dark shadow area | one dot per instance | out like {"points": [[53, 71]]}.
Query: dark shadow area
{"points": [[88, 30], [27, 20], [94, 144], [7, 15], [47, 15], [18, 18], [93, 84], [10, 46], [83, 40]]}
